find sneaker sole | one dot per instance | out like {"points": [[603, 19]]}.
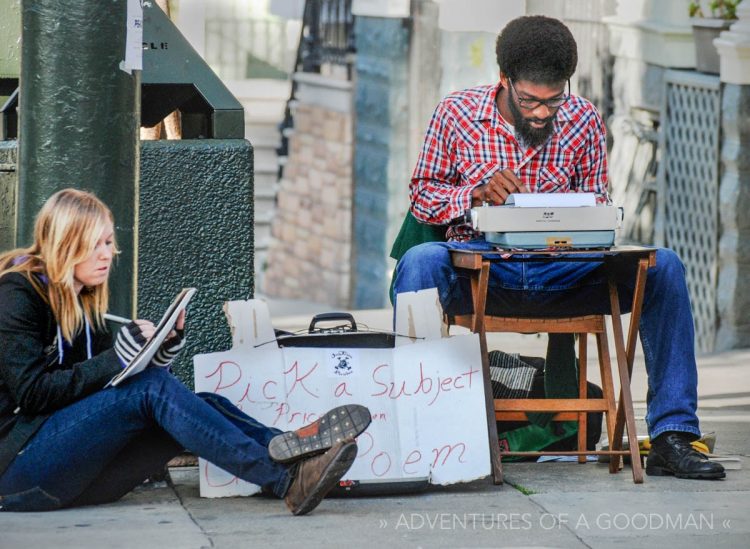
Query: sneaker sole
{"points": [[341, 423], [336, 469]]}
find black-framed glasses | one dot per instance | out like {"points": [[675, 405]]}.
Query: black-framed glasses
{"points": [[533, 103]]}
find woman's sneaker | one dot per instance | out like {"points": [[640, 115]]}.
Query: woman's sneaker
{"points": [[341, 423]]}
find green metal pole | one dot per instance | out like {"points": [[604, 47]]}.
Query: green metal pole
{"points": [[79, 119]]}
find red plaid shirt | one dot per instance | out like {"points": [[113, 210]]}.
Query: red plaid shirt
{"points": [[468, 140]]}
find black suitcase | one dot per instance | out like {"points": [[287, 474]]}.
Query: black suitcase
{"points": [[339, 335]]}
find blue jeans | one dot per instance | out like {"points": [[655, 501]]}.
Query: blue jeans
{"points": [[99, 448], [567, 288]]}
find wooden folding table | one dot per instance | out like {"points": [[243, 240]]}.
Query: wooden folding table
{"points": [[478, 264]]}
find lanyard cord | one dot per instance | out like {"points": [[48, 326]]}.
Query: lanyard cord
{"points": [[88, 337], [60, 346]]}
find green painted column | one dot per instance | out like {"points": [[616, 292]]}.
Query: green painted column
{"points": [[79, 118]]}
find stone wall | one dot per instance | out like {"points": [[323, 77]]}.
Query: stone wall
{"points": [[733, 289], [8, 182], [310, 251], [646, 38], [380, 165]]}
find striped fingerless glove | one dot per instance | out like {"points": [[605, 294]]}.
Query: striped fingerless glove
{"points": [[129, 342], [169, 350]]}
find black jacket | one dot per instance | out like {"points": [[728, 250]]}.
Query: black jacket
{"points": [[32, 383]]}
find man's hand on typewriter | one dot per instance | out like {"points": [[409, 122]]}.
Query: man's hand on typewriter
{"points": [[497, 189]]}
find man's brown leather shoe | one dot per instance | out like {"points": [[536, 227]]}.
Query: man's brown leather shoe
{"points": [[316, 476], [340, 423]]}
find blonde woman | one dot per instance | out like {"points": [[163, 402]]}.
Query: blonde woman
{"points": [[66, 441]]}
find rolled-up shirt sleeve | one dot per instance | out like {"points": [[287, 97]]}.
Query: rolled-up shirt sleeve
{"points": [[591, 168]]}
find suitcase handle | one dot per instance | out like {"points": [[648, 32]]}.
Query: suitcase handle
{"points": [[323, 317]]}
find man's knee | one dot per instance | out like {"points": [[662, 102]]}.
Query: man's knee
{"points": [[422, 266], [668, 263], [427, 252]]}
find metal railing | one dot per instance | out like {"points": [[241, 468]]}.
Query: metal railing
{"points": [[247, 47], [327, 34], [326, 38]]}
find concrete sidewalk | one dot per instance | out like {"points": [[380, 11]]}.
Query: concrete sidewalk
{"points": [[540, 505]]}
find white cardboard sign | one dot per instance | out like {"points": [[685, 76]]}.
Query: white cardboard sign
{"points": [[426, 399]]}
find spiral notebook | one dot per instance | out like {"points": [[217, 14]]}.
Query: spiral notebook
{"points": [[166, 324]]}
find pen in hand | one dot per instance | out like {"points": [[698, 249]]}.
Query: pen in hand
{"points": [[118, 319], [180, 324]]}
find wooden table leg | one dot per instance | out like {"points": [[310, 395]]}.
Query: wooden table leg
{"points": [[479, 284], [625, 407], [635, 316], [608, 388]]}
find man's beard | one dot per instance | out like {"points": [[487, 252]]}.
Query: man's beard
{"points": [[531, 137]]}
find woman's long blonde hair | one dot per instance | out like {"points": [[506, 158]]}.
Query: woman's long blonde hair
{"points": [[65, 234]]}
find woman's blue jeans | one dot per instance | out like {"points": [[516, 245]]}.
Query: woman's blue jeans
{"points": [[568, 289], [99, 448]]}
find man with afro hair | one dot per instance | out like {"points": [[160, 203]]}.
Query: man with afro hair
{"points": [[528, 133]]}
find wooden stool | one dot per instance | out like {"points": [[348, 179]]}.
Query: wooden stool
{"points": [[567, 409]]}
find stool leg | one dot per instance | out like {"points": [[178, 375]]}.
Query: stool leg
{"points": [[582, 393]]}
